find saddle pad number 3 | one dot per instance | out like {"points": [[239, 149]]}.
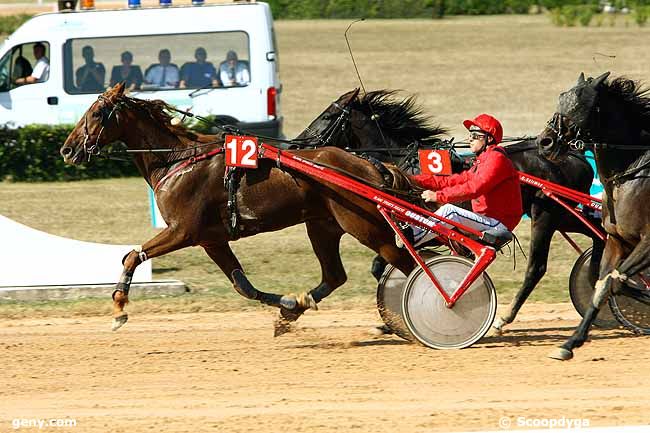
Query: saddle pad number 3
{"points": [[435, 162], [241, 151]]}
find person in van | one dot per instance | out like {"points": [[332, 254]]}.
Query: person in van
{"points": [[233, 72], [91, 76], [127, 72], [22, 68], [199, 74], [164, 75], [41, 70]]}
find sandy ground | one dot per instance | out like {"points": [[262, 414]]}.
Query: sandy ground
{"points": [[225, 372]]}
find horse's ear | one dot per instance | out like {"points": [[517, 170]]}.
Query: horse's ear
{"points": [[348, 97], [118, 89], [600, 80], [581, 78]]}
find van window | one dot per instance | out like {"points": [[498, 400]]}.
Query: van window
{"points": [[21, 62], [157, 62]]}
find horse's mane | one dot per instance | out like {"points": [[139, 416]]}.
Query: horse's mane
{"points": [[519, 146], [399, 119], [159, 112], [634, 95]]}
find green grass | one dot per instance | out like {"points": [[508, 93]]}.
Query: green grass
{"points": [[116, 211]]}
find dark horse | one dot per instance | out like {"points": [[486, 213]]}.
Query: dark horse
{"points": [[613, 118], [194, 201], [361, 123]]}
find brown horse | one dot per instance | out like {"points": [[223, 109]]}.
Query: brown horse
{"points": [[194, 202]]}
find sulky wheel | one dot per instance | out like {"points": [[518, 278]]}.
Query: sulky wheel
{"points": [[633, 314], [389, 298], [429, 319], [581, 290]]}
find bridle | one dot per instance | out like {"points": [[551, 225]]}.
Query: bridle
{"points": [[323, 138], [581, 140], [95, 149]]}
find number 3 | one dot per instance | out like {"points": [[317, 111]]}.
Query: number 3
{"points": [[435, 165]]}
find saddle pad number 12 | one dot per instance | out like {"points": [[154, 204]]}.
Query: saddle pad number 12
{"points": [[433, 161], [241, 151]]}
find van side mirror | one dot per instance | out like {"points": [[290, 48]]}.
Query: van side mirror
{"points": [[270, 56]]}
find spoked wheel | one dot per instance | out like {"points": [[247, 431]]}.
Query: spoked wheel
{"points": [[634, 314], [429, 319], [389, 298], [581, 290]]}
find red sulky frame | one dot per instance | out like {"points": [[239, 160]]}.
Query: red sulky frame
{"points": [[392, 208], [557, 192]]}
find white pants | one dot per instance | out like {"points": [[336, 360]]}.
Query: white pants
{"points": [[461, 216]]}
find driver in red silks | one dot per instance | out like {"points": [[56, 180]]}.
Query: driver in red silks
{"points": [[492, 184]]}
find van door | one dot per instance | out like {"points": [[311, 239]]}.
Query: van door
{"points": [[22, 104]]}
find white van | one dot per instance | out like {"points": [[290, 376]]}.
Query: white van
{"points": [[177, 54]]}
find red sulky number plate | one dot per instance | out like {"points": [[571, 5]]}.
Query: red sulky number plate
{"points": [[241, 151], [436, 162]]}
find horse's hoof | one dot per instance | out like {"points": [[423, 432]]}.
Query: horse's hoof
{"points": [[381, 330], [497, 326], [281, 327], [119, 321], [306, 301], [561, 354]]}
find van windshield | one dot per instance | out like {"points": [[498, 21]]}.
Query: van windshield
{"points": [[157, 62]]}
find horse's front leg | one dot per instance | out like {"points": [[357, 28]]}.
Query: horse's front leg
{"points": [[164, 242], [614, 251]]}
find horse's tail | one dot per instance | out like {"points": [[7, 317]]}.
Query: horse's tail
{"points": [[401, 182]]}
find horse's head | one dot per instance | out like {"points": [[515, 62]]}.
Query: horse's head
{"points": [[376, 120], [99, 126], [328, 128], [574, 120]]}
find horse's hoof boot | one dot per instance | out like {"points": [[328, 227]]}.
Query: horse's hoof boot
{"points": [[289, 302]]}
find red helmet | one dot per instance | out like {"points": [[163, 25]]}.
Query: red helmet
{"points": [[488, 124]]}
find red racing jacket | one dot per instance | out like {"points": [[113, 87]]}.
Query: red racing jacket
{"points": [[491, 183]]}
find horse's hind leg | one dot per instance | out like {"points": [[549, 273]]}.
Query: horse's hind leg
{"points": [[378, 267], [614, 251], [325, 238], [540, 242], [164, 242]]}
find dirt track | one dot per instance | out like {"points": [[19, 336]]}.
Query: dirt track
{"points": [[224, 372]]}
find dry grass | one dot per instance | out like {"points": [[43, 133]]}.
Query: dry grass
{"points": [[512, 66]]}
